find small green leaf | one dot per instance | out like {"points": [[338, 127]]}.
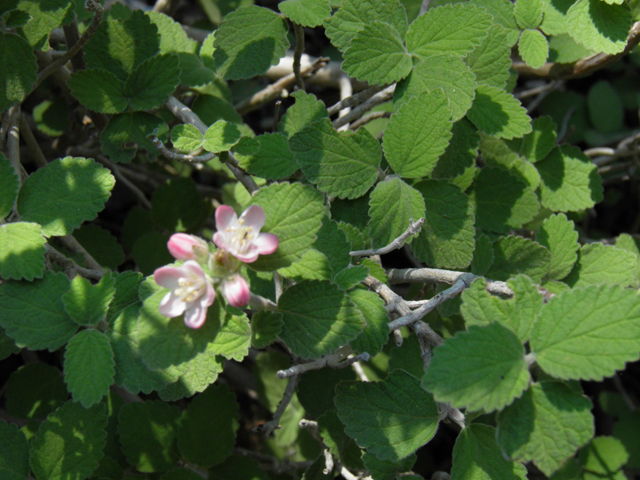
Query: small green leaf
{"points": [[570, 182], [502, 12], [604, 456], [603, 264], [22, 249], [151, 83], [318, 318], [59, 450], [45, 16], [350, 277], [418, 134], [340, 164], [173, 38], [333, 243], [376, 332], [233, 339], [554, 21], [587, 333], [304, 112], [64, 194], [461, 152], [558, 234], [177, 205], [221, 136], [606, 110], [377, 55], [308, 13], [87, 304], [273, 159], [533, 48], [34, 391], [126, 133], [547, 425], [99, 90], [482, 255], [14, 452], [598, 26], [514, 255], [528, 13], [314, 265], [265, 328], [490, 61], [186, 138], [496, 112], [18, 70], [481, 369], [195, 376], [207, 431], [248, 42], [456, 29], [539, 143], [409, 422], [88, 367]]}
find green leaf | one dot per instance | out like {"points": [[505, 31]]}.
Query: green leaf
{"points": [[514, 255], [88, 367], [445, 71], [480, 369], [69, 444], [173, 38], [502, 12], [558, 234], [126, 133], [606, 110], [482, 255], [383, 470], [233, 339], [207, 431], [294, 213], [186, 138], [496, 112], [33, 313], [343, 448], [340, 164], [539, 143], [195, 376], [9, 185], [490, 61], [547, 425], [148, 435], [418, 134], [554, 21], [332, 242], [87, 304], [22, 249], [151, 83], [99, 90], [597, 334], [570, 182], [456, 29], [265, 328], [304, 112], [598, 26], [45, 16], [409, 422], [477, 457], [350, 277], [446, 239], [533, 48], [603, 264], [393, 203], [238, 467], [34, 391], [461, 152], [64, 194], [376, 331], [353, 15], [248, 42], [101, 245], [18, 70], [14, 452], [314, 265], [515, 204], [528, 13], [177, 205], [377, 55], [127, 284], [318, 318], [221, 136], [314, 385], [308, 13], [273, 159], [604, 456], [119, 46]]}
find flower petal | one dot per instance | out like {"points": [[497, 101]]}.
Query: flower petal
{"points": [[225, 217], [195, 315], [253, 217], [267, 243], [193, 268], [220, 239], [171, 305], [168, 277], [181, 246], [236, 291]]}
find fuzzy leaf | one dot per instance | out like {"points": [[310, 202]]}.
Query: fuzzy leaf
{"points": [[376, 332], [304, 112], [22, 249], [18, 70], [265, 328], [528, 13], [603, 264], [186, 138], [558, 234], [533, 48], [126, 133], [490, 61], [221, 136], [151, 83], [539, 143], [233, 338], [273, 159], [598, 26], [496, 112], [45, 16], [308, 13], [502, 12], [514, 255], [99, 90]]}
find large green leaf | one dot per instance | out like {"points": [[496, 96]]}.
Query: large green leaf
{"points": [[18, 69], [603, 264], [308, 13], [490, 61], [558, 234], [514, 255], [599, 26], [496, 112], [22, 248]]}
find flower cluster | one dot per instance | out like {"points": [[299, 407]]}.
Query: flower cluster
{"points": [[191, 288]]}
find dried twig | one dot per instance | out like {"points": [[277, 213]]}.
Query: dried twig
{"points": [[273, 424], [433, 275], [414, 227], [334, 360], [380, 97], [179, 157], [354, 100]]}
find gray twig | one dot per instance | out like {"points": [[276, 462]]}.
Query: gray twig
{"points": [[297, 54], [414, 227], [273, 424], [68, 264], [354, 100], [333, 360], [179, 157], [380, 97]]}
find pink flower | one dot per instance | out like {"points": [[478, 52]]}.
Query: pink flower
{"points": [[191, 293], [186, 247], [241, 237], [236, 291]]}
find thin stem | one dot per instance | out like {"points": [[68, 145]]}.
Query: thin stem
{"points": [[333, 360], [139, 194], [72, 244], [68, 264], [268, 427], [412, 229], [31, 142], [370, 117], [72, 36], [380, 97], [179, 157], [260, 303], [354, 100], [297, 54]]}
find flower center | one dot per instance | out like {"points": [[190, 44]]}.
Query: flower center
{"points": [[240, 236], [190, 289]]}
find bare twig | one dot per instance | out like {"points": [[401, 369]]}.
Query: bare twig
{"points": [[268, 427], [328, 462], [179, 157], [370, 117], [299, 31], [380, 97], [72, 244], [334, 360], [260, 303], [346, 91], [68, 264], [13, 142], [354, 100], [71, 36], [414, 227], [139, 194], [31, 142]]}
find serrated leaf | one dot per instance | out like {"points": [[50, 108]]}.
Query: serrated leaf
{"points": [[248, 42], [393, 204], [483, 255], [533, 48], [376, 332], [304, 112], [87, 304], [64, 194], [100, 244], [445, 71], [547, 425], [558, 234], [597, 334], [410, 420], [151, 83], [221, 136], [554, 21], [598, 26], [88, 367], [383, 470], [173, 38], [9, 185], [569, 181], [496, 112], [502, 12], [340, 164], [528, 13], [343, 448], [22, 249], [602, 264], [446, 239], [515, 255], [44, 18], [604, 456], [308, 13], [233, 339], [377, 55], [318, 318], [34, 391], [490, 61], [461, 152], [69, 444], [126, 133], [294, 213], [539, 143], [418, 134], [265, 328], [195, 376], [33, 313], [353, 15], [456, 29], [477, 457], [333, 244], [314, 265], [273, 159], [186, 138], [99, 90], [18, 70], [208, 427], [148, 435], [350, 277], [14, 452], [480, 369], [176, 205], [516, 204]]}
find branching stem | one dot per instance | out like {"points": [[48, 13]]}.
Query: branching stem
{"points": [[414, 227]]}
